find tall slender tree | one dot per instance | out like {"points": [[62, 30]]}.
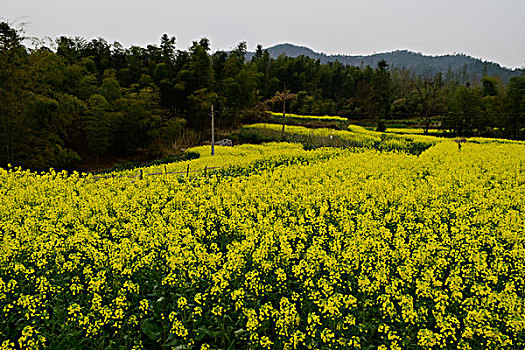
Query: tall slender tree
{"points": [[429, 95]]}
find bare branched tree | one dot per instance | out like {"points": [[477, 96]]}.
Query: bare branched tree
{"points": [[283, 96], [429, 94]]}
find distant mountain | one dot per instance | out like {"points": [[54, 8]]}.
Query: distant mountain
{"points": [[462, 66]]}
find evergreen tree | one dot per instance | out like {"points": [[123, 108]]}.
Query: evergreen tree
{"points": [[98, 126]]}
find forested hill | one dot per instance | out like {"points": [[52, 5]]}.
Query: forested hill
{"points": [[461, 65]]}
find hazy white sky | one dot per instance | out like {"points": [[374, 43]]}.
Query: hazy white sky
{"points": [[489, 29]]}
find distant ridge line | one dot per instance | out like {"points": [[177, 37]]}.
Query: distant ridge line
{"points": [[461, 65]]}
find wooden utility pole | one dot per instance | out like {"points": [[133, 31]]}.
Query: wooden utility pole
{"points": [[284, 112], [212, 132]]}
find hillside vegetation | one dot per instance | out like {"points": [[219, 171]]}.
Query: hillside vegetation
{"points": [[78, 104]]}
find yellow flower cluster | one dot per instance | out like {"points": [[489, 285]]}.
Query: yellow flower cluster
{"points": [[310, 117], [291, 249], [418, 131]]}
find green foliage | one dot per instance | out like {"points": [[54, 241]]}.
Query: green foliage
{"points": [[490, 86], [10, 38], [110, 89], [465, 108], [98, 124], [515, 106], [135, 125], [33, 115]]}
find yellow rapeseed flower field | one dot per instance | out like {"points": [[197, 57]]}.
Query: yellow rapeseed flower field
{"points": [[281, 248], [310, 117]]}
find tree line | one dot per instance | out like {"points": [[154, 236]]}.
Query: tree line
{"points": [[75, 98]]}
